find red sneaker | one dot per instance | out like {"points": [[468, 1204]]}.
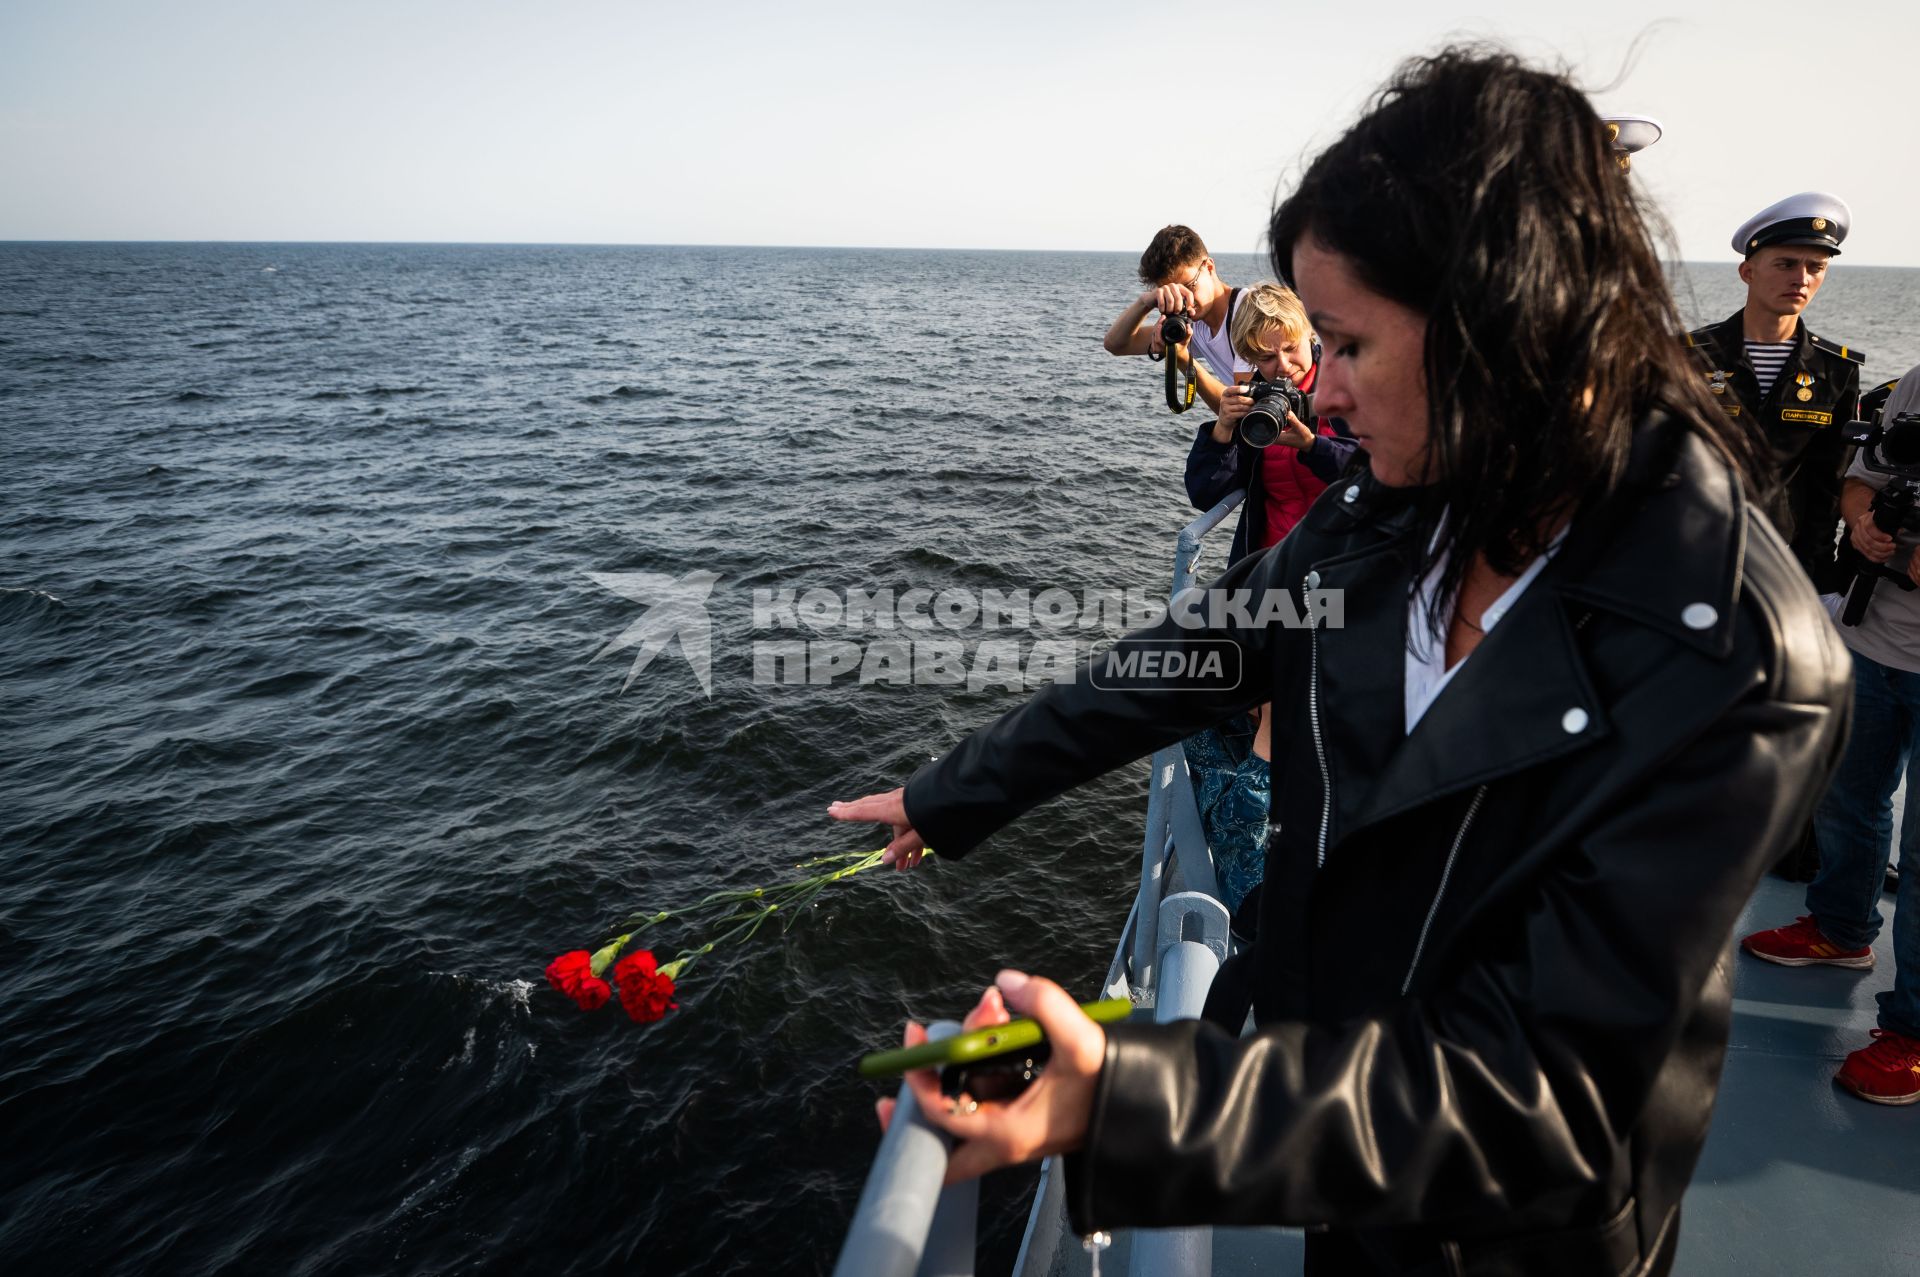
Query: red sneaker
{"points": [[1887, 1072], [1802, 945]]}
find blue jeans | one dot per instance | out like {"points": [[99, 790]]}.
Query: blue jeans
{"points": [[1233, 787], [1854, 825]]}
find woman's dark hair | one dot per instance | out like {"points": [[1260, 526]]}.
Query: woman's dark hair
{"points": [[1484, 194]]}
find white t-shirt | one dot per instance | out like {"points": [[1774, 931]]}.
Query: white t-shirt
{"points": [[1215, 349], [1890, 631]]}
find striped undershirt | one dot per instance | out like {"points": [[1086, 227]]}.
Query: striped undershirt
{"points": [[1767, 359]]}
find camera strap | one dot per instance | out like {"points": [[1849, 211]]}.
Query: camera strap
{"points": [[1174, 401]]}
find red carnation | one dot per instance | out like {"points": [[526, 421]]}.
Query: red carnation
{"points": [[572, 974], [645, 990]]}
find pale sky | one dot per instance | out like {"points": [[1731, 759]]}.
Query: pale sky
{"points": [[977, 125]]}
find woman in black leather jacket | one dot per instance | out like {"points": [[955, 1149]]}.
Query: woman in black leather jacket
{"points": [[1581, 699]]}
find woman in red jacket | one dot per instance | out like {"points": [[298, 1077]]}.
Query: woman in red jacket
{"points": [[1270, 331]]}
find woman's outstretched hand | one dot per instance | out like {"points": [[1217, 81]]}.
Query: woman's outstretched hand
{"points": [[890, 808], [1050, 1116]]}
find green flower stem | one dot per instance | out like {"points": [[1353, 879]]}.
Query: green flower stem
{"points": [[724, 909]]}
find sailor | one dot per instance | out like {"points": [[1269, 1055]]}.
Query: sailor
{"points": [[1763, 363]]}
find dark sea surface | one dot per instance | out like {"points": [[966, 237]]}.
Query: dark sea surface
{"points": [[309, 759]]}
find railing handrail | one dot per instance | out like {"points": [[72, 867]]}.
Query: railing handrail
{"points": [[1187, 544], [905, 1222]]}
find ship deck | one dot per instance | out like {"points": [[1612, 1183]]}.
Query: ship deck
{"points": [[1798, 1176]]}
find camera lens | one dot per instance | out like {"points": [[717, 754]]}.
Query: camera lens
{"points": [[1174, 329], [1259, 428], [1900, 444]]}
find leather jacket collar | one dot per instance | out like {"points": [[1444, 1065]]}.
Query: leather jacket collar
{"points": [[1673, 566]]}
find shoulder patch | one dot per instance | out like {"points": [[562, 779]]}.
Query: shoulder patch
{"points": [[1854, 353]]}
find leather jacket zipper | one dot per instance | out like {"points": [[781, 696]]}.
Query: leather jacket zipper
{"points": [[1319, 746], [1446, 873], [1473, 809]]}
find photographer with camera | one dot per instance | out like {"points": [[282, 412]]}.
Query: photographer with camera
{"points": [[1195, 305], [1854, 821], [1261, 443]]}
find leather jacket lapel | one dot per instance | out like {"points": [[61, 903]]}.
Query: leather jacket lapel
{"points": [[1525, 696], [1522, 698]]}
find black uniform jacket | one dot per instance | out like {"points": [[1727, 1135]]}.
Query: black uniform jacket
{"points": [[1804, 433], [1492, 973]]}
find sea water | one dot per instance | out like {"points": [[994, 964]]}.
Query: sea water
{"points": [[312, 753]]}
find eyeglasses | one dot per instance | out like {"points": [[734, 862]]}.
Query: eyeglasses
{"points": [[1198, 271]]}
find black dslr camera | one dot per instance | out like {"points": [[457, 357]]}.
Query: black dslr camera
{"points": [[1892, 449], [1175, 329], [1272, 401]]}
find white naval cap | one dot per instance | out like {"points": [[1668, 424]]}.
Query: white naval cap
{"points": [[1811, 217], [1630, 133]]}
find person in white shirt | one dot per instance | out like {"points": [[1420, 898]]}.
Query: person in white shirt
{"points": [[1181, 279]]}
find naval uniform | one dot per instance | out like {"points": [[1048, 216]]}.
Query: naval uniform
{"points": [[1803, 417]]}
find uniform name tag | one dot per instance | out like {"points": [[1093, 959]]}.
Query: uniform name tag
{"points": [[1806, 415]]}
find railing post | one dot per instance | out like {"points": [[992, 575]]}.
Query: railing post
{"points": [[1193, 944], [1167, 770], [1153, 864], [894, 1224]]}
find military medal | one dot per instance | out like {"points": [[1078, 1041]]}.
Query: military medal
{"points": [[1719, 385], [1805, 392]]}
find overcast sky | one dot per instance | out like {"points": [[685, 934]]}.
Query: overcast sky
{"points": [[991, 125]]}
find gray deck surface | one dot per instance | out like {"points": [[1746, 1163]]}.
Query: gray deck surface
{"points": [[1799, 1177]]}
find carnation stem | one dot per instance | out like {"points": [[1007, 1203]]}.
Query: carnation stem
{"points": [[725, 909]]}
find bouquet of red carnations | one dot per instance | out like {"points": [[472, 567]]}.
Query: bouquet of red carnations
{"points": [[646, 985]]}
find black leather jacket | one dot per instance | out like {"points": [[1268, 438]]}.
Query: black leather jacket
{"points": [[1491, 980]]}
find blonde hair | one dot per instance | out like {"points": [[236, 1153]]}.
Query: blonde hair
{"points": [[1262, 309]]}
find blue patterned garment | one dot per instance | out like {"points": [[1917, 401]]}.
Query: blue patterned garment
{"points": [[1234, 788]]}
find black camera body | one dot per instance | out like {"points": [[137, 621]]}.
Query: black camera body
{"points": [[1272, 401], [1891, 448]]}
